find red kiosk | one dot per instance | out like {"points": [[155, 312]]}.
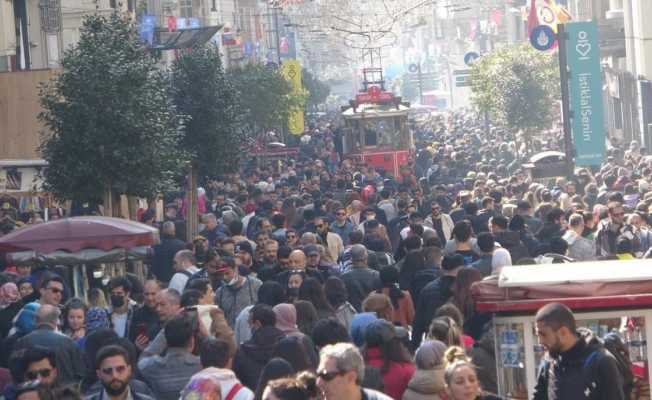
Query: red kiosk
{"points": [[376, 125], [605, 296]]}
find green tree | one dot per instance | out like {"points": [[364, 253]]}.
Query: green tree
{"points": [[264, 96], [518, 85], [318, 91], [110, 125], [206, 98]]}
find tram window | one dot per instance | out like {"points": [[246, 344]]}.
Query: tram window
{"points": [[370, 138]]}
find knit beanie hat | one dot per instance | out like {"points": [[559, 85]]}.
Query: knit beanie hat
{"points": [[430, 354]]}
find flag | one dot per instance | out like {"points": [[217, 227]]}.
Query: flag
{"points": [[533, 18], [552, 14]]}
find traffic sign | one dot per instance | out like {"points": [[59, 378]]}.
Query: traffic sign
{"points": [[470, 58], [413, 68], [542, 38]]}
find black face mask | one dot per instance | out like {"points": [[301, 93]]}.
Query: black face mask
{"points": [[117, 301]]}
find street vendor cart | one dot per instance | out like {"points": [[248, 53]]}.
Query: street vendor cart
{"points": [[605, 296]]}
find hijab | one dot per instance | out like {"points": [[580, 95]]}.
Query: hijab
{"points": [[8, 294]]}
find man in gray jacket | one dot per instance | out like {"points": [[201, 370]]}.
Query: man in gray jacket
{"points": [[238, 293], [579, 247]]}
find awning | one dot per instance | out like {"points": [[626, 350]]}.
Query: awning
{"points": [[183, 38]]}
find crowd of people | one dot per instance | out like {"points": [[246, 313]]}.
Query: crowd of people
{"points": [[322, 278]]}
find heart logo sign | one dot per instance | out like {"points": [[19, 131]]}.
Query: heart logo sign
{"points": [[583, 49]]}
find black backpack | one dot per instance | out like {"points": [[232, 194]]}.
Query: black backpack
{"points": [[614, 345]]}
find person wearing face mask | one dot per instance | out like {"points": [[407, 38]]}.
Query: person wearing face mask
{"points": [[461, 379], [238, 292], [122, 307]]}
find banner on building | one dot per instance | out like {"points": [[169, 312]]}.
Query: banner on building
{"points": [[291, 70], [583, 55]]}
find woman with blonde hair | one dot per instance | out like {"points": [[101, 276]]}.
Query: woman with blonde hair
{"points": [[460, 377]]}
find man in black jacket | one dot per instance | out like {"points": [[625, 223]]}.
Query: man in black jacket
{"points": [[360, 280], [434, 295], [577, 365], [163, 258], [253, 354]]}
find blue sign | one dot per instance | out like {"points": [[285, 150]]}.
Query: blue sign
{"points": [[413, 68], [194, 23], [583, 54], [470, 57], [147, 27], [542, 38]]}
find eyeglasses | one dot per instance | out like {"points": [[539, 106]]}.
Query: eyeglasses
{"points": [[43, 373], [341, 213], [55, 290], [119, 369], [329, 375]]}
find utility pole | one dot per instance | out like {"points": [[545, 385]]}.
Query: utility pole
{"points": [[565, 99]]}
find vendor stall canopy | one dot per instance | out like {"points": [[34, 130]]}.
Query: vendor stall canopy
{"points": [[80, 233]]}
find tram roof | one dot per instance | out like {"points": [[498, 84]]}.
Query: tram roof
{"points": [[370, 110]]}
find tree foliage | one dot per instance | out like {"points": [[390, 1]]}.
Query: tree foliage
{"points": [[109, 121], [518, 85], [318, 91], [264, 97], [206, 98]]}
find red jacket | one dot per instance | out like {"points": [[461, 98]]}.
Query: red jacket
{"points": [[397, 377]]}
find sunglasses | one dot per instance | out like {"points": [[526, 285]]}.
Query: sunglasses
{"points": [[43, 373], [329, 375], [109, 371], [319, 226]]}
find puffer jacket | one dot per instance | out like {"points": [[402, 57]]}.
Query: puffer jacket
{"points": [[252, 355], [585, 371], [426, 385]]}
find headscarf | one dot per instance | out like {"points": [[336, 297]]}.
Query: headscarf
{"points": [[203, 385], [25, 321], [8, 294], [96, 318], [286, 318], [430, 354]]}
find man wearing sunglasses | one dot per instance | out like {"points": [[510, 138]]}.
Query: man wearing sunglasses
{"points": [[115, 373], [41, 366], [52, 291], [341, 372]]}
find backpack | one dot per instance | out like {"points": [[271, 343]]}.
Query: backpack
{"points": [[614, 345]]}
